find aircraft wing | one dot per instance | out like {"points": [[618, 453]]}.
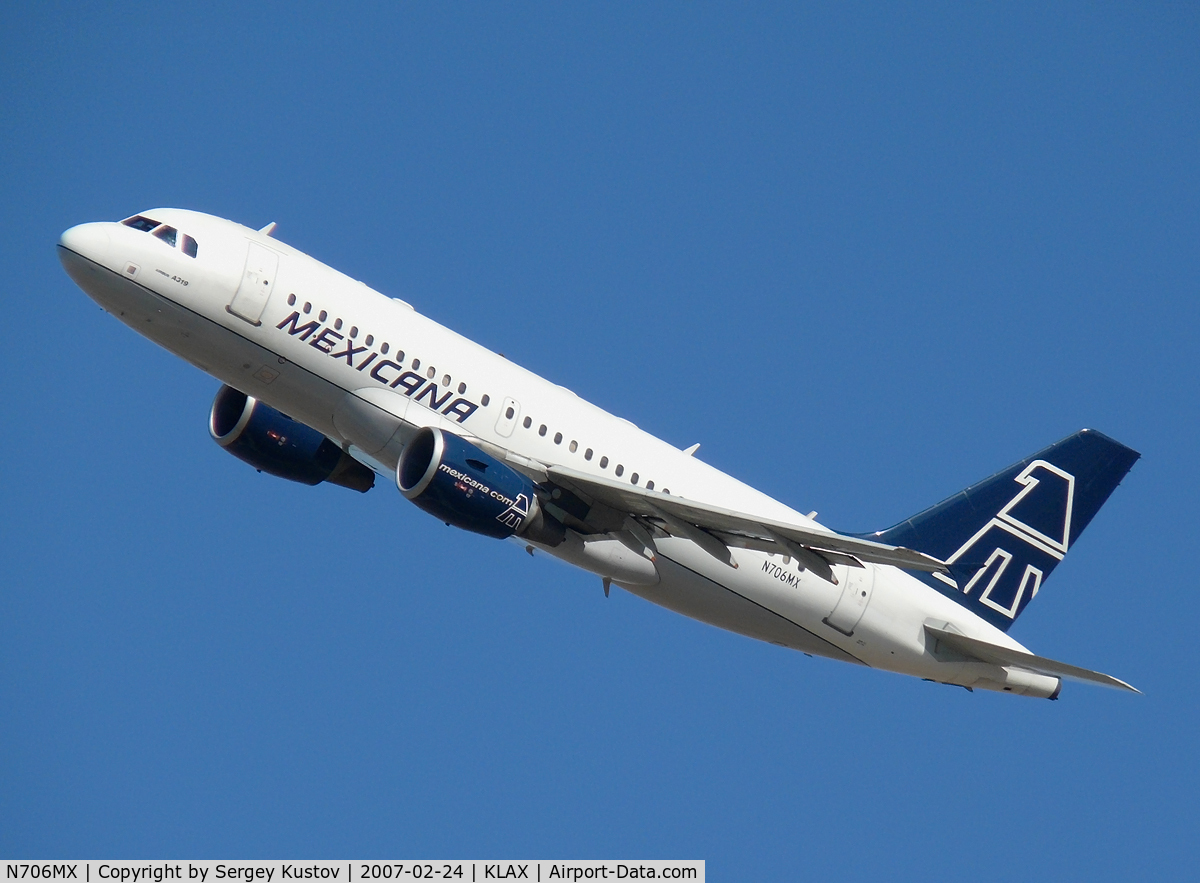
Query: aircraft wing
{"points": [[985, 651], [716, 529]]}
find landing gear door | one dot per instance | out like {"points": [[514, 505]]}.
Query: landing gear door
{"points": [[257, 281], [857, 584]]}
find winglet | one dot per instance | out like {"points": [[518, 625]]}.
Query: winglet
{"points": [[269, 230]]}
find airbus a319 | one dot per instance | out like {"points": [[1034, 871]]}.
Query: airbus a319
{"points": [[325, 379]]}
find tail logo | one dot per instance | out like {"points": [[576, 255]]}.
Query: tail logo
{"points": [[1035, 525]]}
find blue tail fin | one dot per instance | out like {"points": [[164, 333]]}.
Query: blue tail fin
{"points": [[1003, 536]]}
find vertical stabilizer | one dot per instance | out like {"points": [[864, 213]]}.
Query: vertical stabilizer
{"points": [[1003, 536]]}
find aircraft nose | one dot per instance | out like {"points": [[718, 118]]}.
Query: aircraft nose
{"points": [[87, 240], [86, 255]]}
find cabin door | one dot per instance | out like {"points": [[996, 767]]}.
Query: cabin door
{"points": [[257, 281], [856, 595]]}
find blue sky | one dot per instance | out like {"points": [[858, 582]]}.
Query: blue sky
{"points": [[864, 256]]}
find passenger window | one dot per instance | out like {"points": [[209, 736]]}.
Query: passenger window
{"points": [[508, 414], [189, 246], [138, 222], [542, 429], [558, 438], [353, 331], [650, 485], [527, 422], [604, 462], [462, 388], [574, 446], [620, 470], [166, 234], [633, 478], [370, 341], [308, 309], [416, 364], [323, 315], [587, 455], [337, 324], [483, 401], [445, 380], [384, 349], [432, 371], [291, 300]]}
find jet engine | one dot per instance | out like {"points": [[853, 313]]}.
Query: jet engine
{"points": [[462, 485], [274, 443]]}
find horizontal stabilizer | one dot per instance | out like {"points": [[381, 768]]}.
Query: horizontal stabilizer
{"points": [[994, 654]]}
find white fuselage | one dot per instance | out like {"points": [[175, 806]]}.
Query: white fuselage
{"points": [[367, 370]]}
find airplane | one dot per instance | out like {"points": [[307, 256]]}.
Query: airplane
{"points": [[326, 380]]}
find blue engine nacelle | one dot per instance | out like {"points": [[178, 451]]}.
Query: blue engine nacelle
{"points": [[275, 443], [455, 481]]}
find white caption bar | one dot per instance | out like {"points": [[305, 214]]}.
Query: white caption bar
{"points": [[357, 871]]}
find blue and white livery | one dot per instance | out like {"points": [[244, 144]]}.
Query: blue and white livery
{"points": [[327, 380]]}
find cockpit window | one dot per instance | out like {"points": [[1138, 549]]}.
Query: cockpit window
{"points": [[140, 222], [165, 232]]}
